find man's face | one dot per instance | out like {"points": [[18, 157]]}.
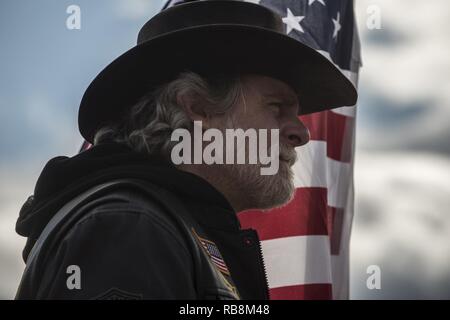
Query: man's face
{"points": [[266, 103]]}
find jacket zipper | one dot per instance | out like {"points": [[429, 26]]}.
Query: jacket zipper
{"points": [[266, 282]]}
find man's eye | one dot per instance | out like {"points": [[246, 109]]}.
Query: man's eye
{"points": [[275, 106]]}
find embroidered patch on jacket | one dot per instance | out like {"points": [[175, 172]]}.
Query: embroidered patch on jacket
{"points": [[216, 258], [214, 253]]}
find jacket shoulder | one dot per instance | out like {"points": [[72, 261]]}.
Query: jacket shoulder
{"points": [[122, 204], [122, 243]]}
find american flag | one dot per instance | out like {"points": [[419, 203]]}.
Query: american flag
{"points": [[213, 253], [306, 243]]}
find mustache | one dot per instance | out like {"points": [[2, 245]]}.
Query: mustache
{"points": [[288, 154]]}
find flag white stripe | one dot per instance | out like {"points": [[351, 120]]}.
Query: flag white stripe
{"points": [[345, 111], [314, 169], [297, 260]]}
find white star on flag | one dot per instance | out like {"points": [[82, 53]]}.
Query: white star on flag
{"points": [[293, 22], [337, 25], [310, 2]]}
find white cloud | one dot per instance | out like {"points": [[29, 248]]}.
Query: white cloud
{"points": [[414, 64], [406, 64], [137, 9], [16, 185], [402, 224]]}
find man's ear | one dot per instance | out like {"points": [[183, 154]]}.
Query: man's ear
{"points": [[194, 107]]}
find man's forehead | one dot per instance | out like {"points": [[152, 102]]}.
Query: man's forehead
{"points": [[271, 88]]}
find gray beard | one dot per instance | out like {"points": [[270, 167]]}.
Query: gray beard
{"points": [[263, 192]]}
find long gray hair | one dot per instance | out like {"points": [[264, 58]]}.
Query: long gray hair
{"points": [[150, 122]]}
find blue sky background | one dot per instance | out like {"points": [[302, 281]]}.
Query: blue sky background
{"points": [[45, 67], [402, 168]]}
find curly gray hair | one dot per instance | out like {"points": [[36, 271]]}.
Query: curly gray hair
{"points": [[150, 122]]}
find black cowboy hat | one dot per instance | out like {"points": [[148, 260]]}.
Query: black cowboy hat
{"points": [[210, 37]]}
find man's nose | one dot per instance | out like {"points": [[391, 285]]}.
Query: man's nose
{"points": [[295, 133]]}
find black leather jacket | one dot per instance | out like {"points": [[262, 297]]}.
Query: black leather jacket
{"points": [[143, 239]]}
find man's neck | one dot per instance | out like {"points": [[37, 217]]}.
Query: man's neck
{"points": [[218, 180]]}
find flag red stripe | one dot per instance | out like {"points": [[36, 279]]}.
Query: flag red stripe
{"points": [[316, 291], [334, 128], [294, 219]]}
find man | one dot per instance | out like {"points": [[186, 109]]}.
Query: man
{"points": [[124, 220]]}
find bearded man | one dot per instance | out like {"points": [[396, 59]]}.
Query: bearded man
{"points": [[123, 220]]}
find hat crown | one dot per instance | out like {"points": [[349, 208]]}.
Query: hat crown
{"points": [[209, 12]]}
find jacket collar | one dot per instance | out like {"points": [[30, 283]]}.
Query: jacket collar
{"points": [[64, 178]]}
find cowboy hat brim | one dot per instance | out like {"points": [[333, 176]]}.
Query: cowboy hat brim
{"points": [[208, 50]]}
